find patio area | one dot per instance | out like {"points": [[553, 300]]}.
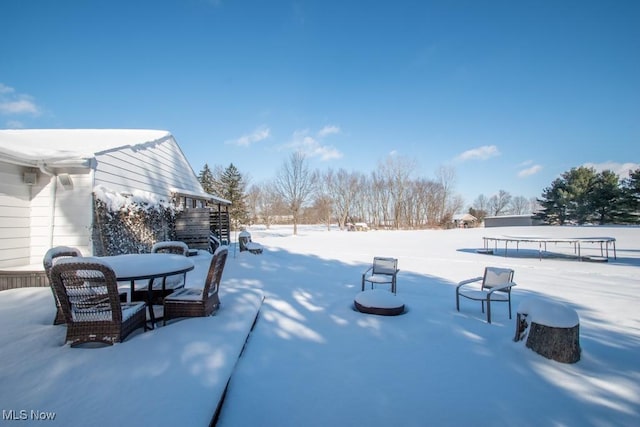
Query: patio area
{"points": [[313, 360], [157, 377]]}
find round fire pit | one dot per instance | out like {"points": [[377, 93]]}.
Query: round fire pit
{"points": [[379, 301]]}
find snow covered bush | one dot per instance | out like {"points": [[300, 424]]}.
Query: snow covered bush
{"points": [[130, 223]]}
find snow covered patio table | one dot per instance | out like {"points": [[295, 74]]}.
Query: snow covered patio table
{"points": [[132, 267]]}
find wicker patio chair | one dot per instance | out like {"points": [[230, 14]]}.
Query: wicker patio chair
{"points": [[383, 270], [88, 293], [171, 247], [214, 242], [50, 257], [198, 302], [171, 282], [494, 285]]}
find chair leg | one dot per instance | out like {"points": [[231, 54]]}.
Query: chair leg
{"points": [[488, 310], [457, 301]]}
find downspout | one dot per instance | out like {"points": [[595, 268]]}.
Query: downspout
{"points": [[53, 193]]}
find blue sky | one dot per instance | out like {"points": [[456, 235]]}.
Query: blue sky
{"points": [[510, 94]]}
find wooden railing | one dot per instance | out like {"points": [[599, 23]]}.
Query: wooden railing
{"points": [[22, 279]]}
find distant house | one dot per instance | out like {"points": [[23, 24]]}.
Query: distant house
{"points": [[358, 226], [47, 180], [464, 220], [510, 221]]}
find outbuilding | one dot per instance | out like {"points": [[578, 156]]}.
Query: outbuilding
{"points": [[464, 220], [510, 221]]}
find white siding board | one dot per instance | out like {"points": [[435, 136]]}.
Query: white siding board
{"points": [[12, 213], [168, 160], [14, 257], [12, 175], [14, 216], [14, 228], [155, 168], [72, 220], [14, 194]]}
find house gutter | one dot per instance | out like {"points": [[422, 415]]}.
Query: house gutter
{"points": [[53, 193]]}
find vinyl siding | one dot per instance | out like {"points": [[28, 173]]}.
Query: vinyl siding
{"points": [[155, 168], [72, 218], [14, 217], [26, 211]]}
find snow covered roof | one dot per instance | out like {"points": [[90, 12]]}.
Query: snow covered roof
{"points": [[55, 145], [509, 216], [200, 195], [464, 217]]}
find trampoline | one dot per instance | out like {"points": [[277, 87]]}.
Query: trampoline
{"points": [[604, 243]]}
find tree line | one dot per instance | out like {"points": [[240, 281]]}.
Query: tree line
{"points": [[390, 197]]}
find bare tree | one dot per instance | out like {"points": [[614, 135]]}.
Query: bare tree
{"points": [[269, 203], [378, 195], [481, 203], [455, 203], [323, 204], [534, 205], [294, 182], [396, 172], [360, 200], [446, 177], [520, 206], [253, 201], [433, 203], [343, 189], [498, 203], [480, 207], [321, 210]]}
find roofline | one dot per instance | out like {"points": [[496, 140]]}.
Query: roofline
{"points": [[202, 195], [66, 163], [75, 158]]}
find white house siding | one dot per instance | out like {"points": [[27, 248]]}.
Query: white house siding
{"points": [[120, 160], [14, 216], [155, 167], [72, 215]]}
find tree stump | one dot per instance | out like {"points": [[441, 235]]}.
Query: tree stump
{"points": [[559, 344], [552, 329]]}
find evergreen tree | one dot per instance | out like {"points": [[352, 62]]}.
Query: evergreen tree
{"points": [[580, 183], [605, 197], [554, 203], [581, 195], [630, 198], [569, 197], [206, 179], [232, 187]]}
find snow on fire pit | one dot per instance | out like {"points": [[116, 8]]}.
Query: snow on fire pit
{"points": [[379, 301]]}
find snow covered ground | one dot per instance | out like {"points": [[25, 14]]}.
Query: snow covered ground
{"points": [[312, 360]]}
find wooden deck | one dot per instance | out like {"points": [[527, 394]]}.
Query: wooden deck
{"points": [[22, 279]]}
